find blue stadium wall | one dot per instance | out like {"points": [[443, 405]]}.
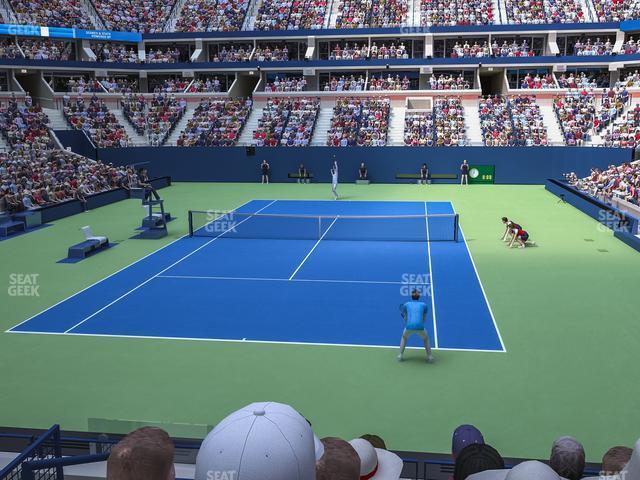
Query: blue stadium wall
{"points": [[512, 165]]}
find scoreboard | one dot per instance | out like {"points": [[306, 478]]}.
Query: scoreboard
{"points": [[481, 173]]}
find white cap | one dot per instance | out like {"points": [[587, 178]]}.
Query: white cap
{"points": [[523, 471], [376, 463], [262, 441]]}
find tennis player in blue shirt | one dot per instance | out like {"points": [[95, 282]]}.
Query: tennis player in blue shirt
{"points": [[414, 313]]}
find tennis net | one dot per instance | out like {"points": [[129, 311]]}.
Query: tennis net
{"points": [[390, 228]]}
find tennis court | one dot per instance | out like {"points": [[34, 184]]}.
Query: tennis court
{"points": [[284, 271]]}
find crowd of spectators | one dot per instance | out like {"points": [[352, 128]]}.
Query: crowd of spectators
{"points": [[631, 79], [286, 84], [418, 129], [616, 10], [528, 123], [584, 80], [371, 13], [629, 47], [537, 81], [145, 16], [357, 51], [271, 53], [207, 84], [448, 82], [215, 123], [513, 121], [95, 119], [287, 122], [359, 122], [612, 105], [575, 112], [390, 82], [345, 83], [32, 178], [301, 122], [25, 126], [120, 85], [231, 53], [163, 114], [624, 134], [290, 14], [115, 52], [505, 49], [156, 118], [588, 47], [53, 13], [168, 85], [81, 85], [443, 127], [457, 12], [149, 452], [46, 49], [544, 11], [159, 55], [212, 16], [620, 182], [9, 49]]}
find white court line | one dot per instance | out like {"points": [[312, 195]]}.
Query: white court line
{"points": [[108, 276], [433, 290], [264, 279], [164, 270], [314, 247], [228, 340], [493, 318]]}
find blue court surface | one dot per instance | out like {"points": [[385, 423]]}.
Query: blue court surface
{"points": [[305, 272]]}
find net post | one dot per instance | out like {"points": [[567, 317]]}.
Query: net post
{"points": [[456, 223], [319, 228], [191, 223]]}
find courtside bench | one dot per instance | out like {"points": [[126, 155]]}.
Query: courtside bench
{"points": [[297, 176], [433, 176], [82, 249], [9, 226]]}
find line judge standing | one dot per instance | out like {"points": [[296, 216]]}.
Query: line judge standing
{"points": [[334, 180], [464, 173]]}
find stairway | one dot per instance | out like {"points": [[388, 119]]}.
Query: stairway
{"points": [[250, 16], [554, 132], [335, 10], [135, 140], [7, 12], [93, 14], [395, 136], [323, 124], [56, 119], [246, 137], [172, 141], [472, 122], [499, 13], [176, 13]]}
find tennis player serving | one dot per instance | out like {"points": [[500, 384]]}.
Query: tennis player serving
{"points": [[334, 180], [414, 313]]}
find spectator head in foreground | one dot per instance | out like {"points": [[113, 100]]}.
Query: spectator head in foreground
{"points": [[339, 462], [145, 453], [376, 463], [615, 460], [531, 470], [463, 436], [567, 458], [262, 441], [476, 458]]}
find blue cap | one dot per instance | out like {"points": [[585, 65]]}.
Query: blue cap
{"points": [[465, 435]]}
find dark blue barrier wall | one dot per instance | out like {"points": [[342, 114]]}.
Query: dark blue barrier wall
{"points": [[623, 224], [512, 165], [78, 142]]}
